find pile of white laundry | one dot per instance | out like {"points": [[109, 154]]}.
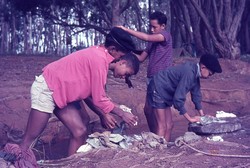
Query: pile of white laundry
{"points": [[108, 140]]}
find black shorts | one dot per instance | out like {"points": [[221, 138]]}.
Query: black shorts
{"points": [[154, 99]]}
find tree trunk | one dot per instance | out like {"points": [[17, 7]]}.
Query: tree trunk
{"points": [[195, 22], [27, 33], [206, 39], [14, 46], [3, 36], [244, 34], [247, 36], [30, 40], [115, 12], [45, 43], [225, 42], [2, 28]]}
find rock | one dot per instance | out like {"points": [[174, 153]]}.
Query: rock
{"points": [[84, 148], [188, 137], [224, 125], [4, 129], [153, 144]]}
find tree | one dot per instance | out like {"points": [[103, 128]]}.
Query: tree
{"points": [[244, 34], [227, 19], [202, 23], [55, 27]]}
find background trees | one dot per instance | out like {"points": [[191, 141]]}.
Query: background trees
{"points": [[57, 27]]}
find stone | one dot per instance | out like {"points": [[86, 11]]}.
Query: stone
{"points": [[4, 129], [84, 148], [224, 125], [116, 138], [188, 137]]}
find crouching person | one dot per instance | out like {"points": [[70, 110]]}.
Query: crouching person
{"points": [[69, 80], [170, 87]]}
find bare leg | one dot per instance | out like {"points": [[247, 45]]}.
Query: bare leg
{"points": [[149, 114], [76, 121], [161, 121], [169, 124], [36, 123], [164, 122]]}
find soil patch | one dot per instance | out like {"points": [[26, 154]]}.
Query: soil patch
{"points": [[229, 91]]}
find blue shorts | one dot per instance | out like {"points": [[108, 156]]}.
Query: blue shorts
{"points": [[154, 99]]}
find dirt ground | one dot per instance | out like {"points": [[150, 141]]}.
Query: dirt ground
{"points": [[229, 91]]}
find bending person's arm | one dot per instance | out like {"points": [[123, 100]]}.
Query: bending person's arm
{"points": [[107, 120]]}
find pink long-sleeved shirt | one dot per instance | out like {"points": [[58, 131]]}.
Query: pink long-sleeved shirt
{"points": [[80, 75]]}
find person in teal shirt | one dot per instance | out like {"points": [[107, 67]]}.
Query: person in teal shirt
{"points": [[170, 87]]}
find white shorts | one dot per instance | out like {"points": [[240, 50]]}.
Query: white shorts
{"points": [[41, 96]]}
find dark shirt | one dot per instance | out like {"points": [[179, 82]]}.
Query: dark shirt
{"points": [[160, 54], [175, 82]]}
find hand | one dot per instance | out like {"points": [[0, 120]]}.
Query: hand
{"points": [[195, 119], [108, 121], [122, 27], [130, 119]]}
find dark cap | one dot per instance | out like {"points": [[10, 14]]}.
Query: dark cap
{"points": [[124, 40], [211, 62]]}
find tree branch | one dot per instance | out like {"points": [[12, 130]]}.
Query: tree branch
{"points": [[220, 10], [83, 25], [205, 20], [236, 20], [216, 19], [216, 15], [105, 11], [227, 15], [126, 6], [138, 14]]}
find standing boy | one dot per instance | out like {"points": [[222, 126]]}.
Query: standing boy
{"points": [[170, 87], [71, 79], [159, 51]]}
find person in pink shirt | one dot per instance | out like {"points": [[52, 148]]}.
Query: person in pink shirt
{"points": [[63, 85]]}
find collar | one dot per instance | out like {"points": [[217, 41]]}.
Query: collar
{"points": [[109, 57]]}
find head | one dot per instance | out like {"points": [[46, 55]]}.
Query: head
{"points": [[125, 66], [119, 42], [158, 22], [209, 65]]}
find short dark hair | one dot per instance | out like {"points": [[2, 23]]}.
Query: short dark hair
{"points": [[159, 16], [132, 61]]}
